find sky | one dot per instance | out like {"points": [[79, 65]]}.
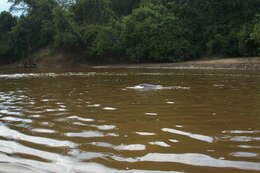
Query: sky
{"points": [[4, 5]]}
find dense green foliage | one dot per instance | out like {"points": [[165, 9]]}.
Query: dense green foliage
{"points": [[132, 30]]}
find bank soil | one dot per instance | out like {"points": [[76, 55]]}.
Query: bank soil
{"points": [[63, 61], [218, 63]]}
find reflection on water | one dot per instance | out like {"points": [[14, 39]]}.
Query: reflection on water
{"points": [[75, 122], [195, 136]]}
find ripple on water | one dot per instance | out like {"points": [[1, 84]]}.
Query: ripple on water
{"points": [[109, 108], [102, 144], [86, 134], [13, 134], [193, 159], [62, 165], [81, 118], [191, 135], [151, 113], [132, 147], [249, 146], [104, 127], [89, 134], [160, 143], [8, 112], [244, 154], [145, 133], [11, 147], [240, 138], [15, 119], [83, 156], [43, 130], [241, 131], [122, 147], [94, 105], [173, 140]]}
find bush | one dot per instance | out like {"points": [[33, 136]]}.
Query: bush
{"points": [[151, 34]]}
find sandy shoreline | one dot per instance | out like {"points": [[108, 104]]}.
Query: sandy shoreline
{"points": [[226, 63], [252, 63]]}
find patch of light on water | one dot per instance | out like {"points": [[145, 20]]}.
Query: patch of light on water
{"points": [[241, 131], [13, 134], [94, 105], [240, 138], [151, 113], [160, 143], [249, 146], [12, 147], [8, 112], [192, 159], [43, 130], [243, 154], [89, 134], [191, 135], [145, 133], [104, 127], [81, 119], [54, 75], [122, 147], [15, 119], [173, 140], [132, 147], [109, 108]]}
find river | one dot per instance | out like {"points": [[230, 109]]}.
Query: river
{"points": [[96, 121]]}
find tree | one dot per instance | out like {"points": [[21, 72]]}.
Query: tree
{"points": [[67, 34], [96, 12], [124, 7], [7, 21], [153, 34]]}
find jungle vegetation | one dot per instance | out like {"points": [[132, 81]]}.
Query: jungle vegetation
{"points": [[131, 30]]}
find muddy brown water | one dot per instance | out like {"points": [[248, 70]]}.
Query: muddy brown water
{"points": [[88, 120]]}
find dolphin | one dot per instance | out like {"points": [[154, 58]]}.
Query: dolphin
{"points": [[146, 86], [149, 86]]}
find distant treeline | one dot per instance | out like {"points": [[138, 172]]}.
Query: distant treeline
{"points": [[131, 30]]}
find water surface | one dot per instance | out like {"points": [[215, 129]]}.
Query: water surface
{"points": [[90, 120]]}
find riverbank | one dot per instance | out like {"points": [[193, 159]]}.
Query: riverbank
{"points": [[251, 63]]}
